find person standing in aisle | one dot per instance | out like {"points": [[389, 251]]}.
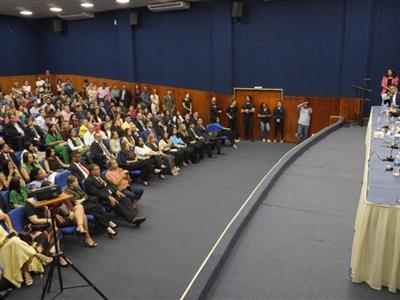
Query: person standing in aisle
{"points": [[264, 114], [248, 110], [304, 121], [187, 104], [279, 116], [214, 110], [231, 113], [169, 102]]}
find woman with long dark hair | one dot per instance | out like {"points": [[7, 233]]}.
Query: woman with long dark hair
{"points": [[8, 172], [264, 115], [54, 139]]}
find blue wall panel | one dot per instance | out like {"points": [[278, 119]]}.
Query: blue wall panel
{"points": [[91, 47], [174, 47], [385, 43], [20, 46], [306, 47], [294, 45], [356, 45]]}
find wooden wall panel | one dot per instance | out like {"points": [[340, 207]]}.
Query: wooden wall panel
{"points": [[7, 82], [350, 108], [258, 95], [323, 107], [201, 99]]}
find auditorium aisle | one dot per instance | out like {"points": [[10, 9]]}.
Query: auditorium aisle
{"points": [[298, 244], [186, 214]]}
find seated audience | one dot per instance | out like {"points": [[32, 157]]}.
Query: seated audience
{"points": [[7, 173], [28, 163], [26, 89], [209, 140], [128, 160], [98, 186], [52, 163], [220, 131], [18, 192], [145, 153], [115, 145], [31, 148], [54, 140], [166, 159], [180, 145], [39, 179], [7, 153], [18, 258], [91, 206], [198, 141], [166, 146], [15, 132], [100, 152], [88, 137], [38, 230], [121, 180], [75, 143], [128, 138], [78, 168], [33, 133]]}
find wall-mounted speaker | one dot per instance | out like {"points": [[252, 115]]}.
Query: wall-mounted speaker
{"points": [[134, 18], [237, 9], [60, 26]]}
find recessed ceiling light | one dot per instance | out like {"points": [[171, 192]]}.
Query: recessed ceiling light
{"points": [[123, 1], [87, 4], [56, 9], [25, 12]]}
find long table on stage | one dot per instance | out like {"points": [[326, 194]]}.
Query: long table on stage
{"points": [[375, 255]]}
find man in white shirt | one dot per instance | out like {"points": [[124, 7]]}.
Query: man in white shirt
{"points": [[88, 137], [304, 121], [41, 122], [39, 85], [34, 110]]}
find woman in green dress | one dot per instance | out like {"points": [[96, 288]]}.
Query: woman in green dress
{"points": [[28, 163], [54, 140], [18, 192]]}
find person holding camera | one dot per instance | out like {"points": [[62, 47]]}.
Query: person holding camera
{"points": [[304, 121]]}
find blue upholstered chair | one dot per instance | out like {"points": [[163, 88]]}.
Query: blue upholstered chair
{"points": [[61, 179]]}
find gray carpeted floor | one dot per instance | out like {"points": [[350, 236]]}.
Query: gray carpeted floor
{"points": [[186, 214], [298, 244]]}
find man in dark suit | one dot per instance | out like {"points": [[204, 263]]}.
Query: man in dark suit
{"points": [[78, 168], [394, 95], [33, 134], [126, 97], [15, 133], [139, 122], [102, 110], [7, 153], [209, 140], [107, 193], [197, 142], [100, 152]]}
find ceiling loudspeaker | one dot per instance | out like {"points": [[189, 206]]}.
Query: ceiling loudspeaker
{"points": [[237, 9], [134, 18], [60, 26]]}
